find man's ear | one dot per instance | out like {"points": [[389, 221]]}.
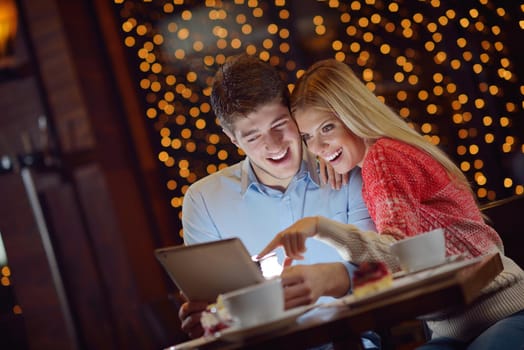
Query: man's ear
{"points": [[231, 136]]}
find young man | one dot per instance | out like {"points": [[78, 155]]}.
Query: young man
{"points": [[275, 185]]}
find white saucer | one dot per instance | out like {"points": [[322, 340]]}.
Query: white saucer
{"points": [[447, 260], [288, 317]]}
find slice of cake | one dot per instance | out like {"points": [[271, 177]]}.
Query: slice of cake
{"points": [[215, 318], [370, 277]]}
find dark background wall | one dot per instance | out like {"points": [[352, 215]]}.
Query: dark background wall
{"points": [[65, 125]]}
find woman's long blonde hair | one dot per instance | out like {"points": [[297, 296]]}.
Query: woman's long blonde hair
{"points": [[331, 86]]}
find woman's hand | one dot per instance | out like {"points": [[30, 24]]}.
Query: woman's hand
{"points": [[329, 176], [293, 239]]}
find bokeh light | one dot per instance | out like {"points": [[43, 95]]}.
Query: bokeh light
{"points": [[448, 68]]}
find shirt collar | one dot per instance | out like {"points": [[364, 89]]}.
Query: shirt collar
{"points": [[308, 167]]}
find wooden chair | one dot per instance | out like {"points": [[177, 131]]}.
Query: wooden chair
{"points": [[507, 217]]}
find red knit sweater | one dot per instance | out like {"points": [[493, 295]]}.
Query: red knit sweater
{"points": [[407, 192]]}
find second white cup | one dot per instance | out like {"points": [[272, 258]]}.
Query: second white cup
{"points": [[421, 251]]}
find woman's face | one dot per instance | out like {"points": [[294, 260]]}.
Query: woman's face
{"points": [[327, 137]]}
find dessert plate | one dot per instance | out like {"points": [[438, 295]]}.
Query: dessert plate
{"points": [[404, 282], [288, 318]]}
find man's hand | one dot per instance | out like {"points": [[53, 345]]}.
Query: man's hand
{"points": [[329, 176], [293, 239], [304, 284], [189, 315]]}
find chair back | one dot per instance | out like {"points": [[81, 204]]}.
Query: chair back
{"points": [[507, 218]]}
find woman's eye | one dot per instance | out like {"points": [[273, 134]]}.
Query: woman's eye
{"points": [[327, 127], [305, 137]]}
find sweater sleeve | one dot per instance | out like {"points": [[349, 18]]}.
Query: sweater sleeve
{"points": [[395, 181], [355, 245]]}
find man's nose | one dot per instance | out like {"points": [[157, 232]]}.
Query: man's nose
{"points": [[272, 140]]}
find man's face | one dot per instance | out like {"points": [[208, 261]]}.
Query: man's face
{"points": [[270, 139]]}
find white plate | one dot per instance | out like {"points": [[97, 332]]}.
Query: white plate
{"points": [[403, 282], [288, 318]]}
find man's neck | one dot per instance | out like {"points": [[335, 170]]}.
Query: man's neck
{"points": [[271, 181]]}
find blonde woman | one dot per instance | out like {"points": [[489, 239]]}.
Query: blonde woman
{"points": [[409, 187]]}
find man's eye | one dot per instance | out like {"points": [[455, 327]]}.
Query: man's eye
{"points": [[252, 139], [280, 124]]}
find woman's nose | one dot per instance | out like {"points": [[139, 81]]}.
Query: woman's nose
{"points": [[315, 145]]}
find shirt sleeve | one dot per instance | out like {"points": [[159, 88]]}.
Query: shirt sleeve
{"points": [[351, 268], [196, 221], [358, 213]]}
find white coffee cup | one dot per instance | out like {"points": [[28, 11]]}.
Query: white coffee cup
{"points": [[421, 251], [256, 304]]}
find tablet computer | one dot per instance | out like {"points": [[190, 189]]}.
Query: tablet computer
{"points": [[205, 270]]}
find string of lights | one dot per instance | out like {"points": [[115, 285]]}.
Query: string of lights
{"points": [[447, 67]]}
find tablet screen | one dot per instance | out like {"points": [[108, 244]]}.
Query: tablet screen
{"points": [[205, 270]]}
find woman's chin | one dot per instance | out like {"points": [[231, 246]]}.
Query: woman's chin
{"points": [[342, 169]]}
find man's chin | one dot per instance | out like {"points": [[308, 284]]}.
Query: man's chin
{"points": [[284, 173], [278, 170]]}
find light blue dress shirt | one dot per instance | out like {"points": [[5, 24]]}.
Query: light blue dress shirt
{"points": [[232, 203]]}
